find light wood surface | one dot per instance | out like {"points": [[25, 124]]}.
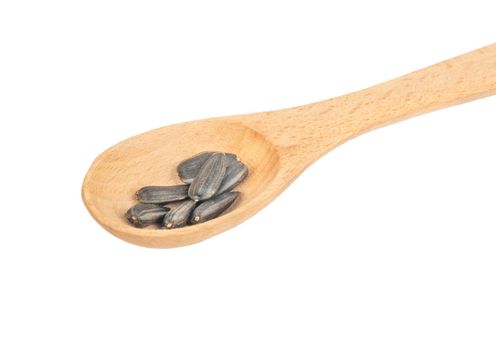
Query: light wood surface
{"points": [[277, 146]]}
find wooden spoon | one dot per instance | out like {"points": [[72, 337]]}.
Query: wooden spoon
{"points": [[277, 146]]}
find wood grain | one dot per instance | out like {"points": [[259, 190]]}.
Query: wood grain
{"points": [[277, 146]]}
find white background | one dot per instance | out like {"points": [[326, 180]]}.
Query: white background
{"points": [[388, 242]]}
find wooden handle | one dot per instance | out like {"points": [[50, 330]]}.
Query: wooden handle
{"points": [[457, 80], [317, 128]]}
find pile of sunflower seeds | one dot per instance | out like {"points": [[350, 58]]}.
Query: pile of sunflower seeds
{"points": [[208, 180]]}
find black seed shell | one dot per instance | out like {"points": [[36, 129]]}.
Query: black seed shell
{"points": [[141, 214], [188, 169], [162, 194], [236, 172], [214, 207], [209, 178], [179, 216]]}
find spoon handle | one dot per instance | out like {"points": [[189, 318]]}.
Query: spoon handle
{"points": [[457, 80], [317, 128]]}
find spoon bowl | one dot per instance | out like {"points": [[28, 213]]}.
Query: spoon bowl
{"points": [[151, 159], [276, 146]]}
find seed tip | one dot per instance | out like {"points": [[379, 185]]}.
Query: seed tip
{"points": [[196, 218], [169, 225]]}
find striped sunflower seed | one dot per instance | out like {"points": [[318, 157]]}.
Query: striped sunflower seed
{"points": [[179, 216], [209, 178], [236, 172], [141, 214], [162, 194], [214, 207], [188, 169]]}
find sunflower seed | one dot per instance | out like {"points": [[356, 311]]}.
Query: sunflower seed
{"points": [[209, 178], [179, 216], [162, 194], [214, 207], [141, 214], [188, 169], [236, 172]]}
